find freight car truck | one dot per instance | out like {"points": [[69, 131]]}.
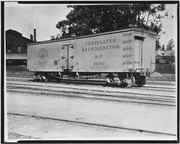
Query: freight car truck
{"points": [[125, 56]]}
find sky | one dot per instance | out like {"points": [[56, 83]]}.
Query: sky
{"points": [[44, 17], [24, 18]]}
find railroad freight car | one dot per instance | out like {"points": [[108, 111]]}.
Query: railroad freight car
{"points": [[125, 56]]}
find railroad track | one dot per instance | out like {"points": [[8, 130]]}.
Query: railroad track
{"points": [[149, 80], [157, 87], [101, 81], [142, 96], [77, 122]]}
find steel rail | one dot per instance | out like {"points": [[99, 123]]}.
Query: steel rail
{"points": [[97, 82], [91, 124], [98, 96], [91, 89]]}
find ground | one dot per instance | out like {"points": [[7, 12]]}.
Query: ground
{"points": [[124, 115], [135, 120]]}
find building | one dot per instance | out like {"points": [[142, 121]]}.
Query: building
{"points": [[16, 47]]}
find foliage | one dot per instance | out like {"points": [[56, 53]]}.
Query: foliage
{"points": [[157, 44], [163, 47], [170, 44], [89, 19]]}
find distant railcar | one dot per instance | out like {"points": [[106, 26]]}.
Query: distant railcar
{"points": [[126, 56]]}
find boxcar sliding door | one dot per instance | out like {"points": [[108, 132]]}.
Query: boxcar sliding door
{"points": [[138, 51], [67, 56]]}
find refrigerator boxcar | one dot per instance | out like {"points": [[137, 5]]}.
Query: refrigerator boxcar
{"points": [[125, 56]]}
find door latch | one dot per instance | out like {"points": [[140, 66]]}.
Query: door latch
{"points": [[72, 46], [72, 57]]}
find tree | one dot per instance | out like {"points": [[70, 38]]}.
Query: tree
{"points": [[163, 47], [170, 45], [158, 43], [89, 19]]}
